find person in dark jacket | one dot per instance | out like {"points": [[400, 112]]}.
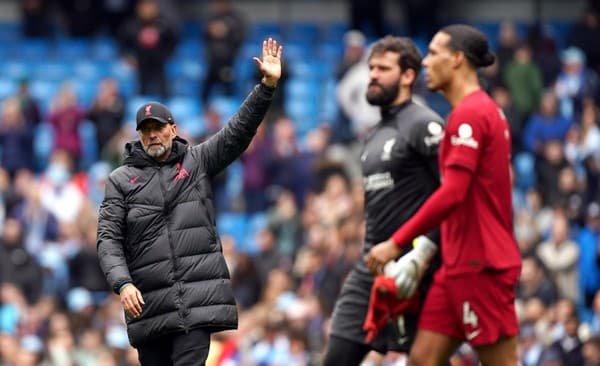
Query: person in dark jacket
{"points": [[157, 240]]}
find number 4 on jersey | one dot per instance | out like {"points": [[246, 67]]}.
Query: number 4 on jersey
{"points": [[469, 316]]}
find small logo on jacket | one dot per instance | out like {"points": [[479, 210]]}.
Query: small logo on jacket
{"points": [[134, 179], [181, 173]]}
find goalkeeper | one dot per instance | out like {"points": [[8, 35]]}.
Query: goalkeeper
{"points": [[400, 171]]}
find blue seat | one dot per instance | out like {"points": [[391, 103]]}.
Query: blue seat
{"points": [[32, 49], [91, 70], [184, 107], [191, 125], [524, 170], [104, 49], [331, 52], [190, 67], [185, 87], [8, 88], [235, 225], [72, 48], [16, 69], [85, 90], [224, 106], [43, 143], [256, 223], [263, 30], [301, 88], [10, 30], [334, 32], [43, 90], [89, 145], [297, 51], [52, 70], [190, 48], [302, 32]]}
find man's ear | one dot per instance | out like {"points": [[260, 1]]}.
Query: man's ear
{"points": [[408, 77], [173, 130], [458, 58]]}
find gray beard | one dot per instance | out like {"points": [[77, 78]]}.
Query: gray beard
{"points": [[157, 153]]}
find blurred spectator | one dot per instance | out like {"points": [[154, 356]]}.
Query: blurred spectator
{"points": [[544, 53], [590, 132], [29, 105], [17, 266], [285, 221], [223, 35], [533, 282], [368, 17], [60, 194], [548, 170], [570, 346], [523, 79], [148, 41], [351, 94], [107, 111], [508, 41], [588, 238], [84, 268], [212, 125], [34, 17], [16, 138], [576, 83], [81, 17], [591, 352], [560, 256], [584, 35], [255, 180], [39, 224], [115, 13], [421, 17], [246, 281], [65, 118], [571, 195], [531, 348], [545, 125], [515, 119], [354, 52]]}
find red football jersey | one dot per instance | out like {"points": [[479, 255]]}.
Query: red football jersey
{"points": [[479, 233]]}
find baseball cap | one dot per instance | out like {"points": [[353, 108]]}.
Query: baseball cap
{"points": [[153, 110]]}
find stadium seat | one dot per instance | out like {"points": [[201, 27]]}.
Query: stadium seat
{"points": [[235, 225], [334, 32], [263, 30], [8, 88], [104, 49], [16, 69], [191, 125], [302, 32], [43, 143], [189, 67], [52, 70], [32, 49], [524, 169], [225, 106], [91, 70], [89, 145], [72, 48], [190, 48], [184, 107]]}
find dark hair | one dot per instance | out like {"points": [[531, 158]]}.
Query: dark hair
{"points": [[410, 57], [471, 42]]}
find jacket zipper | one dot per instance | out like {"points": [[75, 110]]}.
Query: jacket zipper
{"points": [[178, 287]]}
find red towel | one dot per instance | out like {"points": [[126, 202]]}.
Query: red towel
{"points": [[384, 306]]}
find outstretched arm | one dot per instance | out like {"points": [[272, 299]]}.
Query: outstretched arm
{"points": [[229, 143]]}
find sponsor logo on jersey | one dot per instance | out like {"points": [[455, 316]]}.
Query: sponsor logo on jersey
{"points": [[465, 137], [437, 134], [378, 181]]}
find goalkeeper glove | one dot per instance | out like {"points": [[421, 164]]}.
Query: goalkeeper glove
{"points": [[409, 269]]}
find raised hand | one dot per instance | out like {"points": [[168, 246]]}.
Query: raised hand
{"points": [[270, 65]]}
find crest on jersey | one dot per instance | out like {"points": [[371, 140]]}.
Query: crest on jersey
{"points": [[388, 145]]}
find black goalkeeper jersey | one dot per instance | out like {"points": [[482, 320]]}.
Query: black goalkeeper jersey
{"points": [[400, 168]]}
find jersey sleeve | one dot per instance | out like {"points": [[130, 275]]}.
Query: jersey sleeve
{"points": [[464, 139], [425, 137]]}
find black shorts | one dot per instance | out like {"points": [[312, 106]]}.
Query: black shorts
{"points": [[351, 309]]}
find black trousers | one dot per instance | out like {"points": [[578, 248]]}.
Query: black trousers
{"points": [[177, 349]]}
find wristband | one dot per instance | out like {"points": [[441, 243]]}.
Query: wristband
{"points": [[123, 286]]}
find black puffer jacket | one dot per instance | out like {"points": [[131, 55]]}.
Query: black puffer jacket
{"points": [[156, 229]]}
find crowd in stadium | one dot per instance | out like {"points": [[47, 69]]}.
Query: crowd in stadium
{"points": [[290, 212]]}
